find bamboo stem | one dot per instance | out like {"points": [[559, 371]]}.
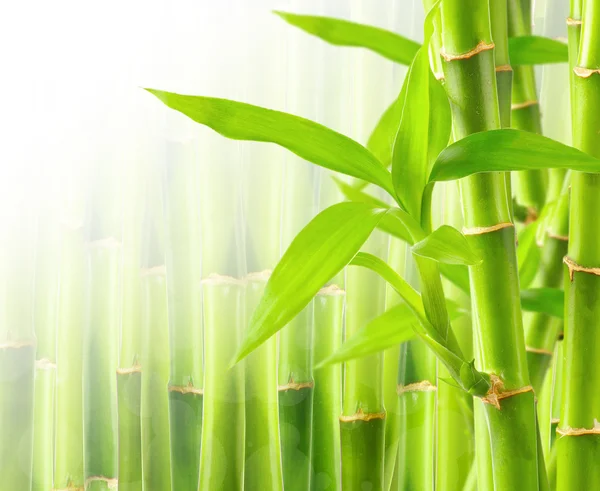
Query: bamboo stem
{"points": [[183, 247], [471, 85], [578, 446]]}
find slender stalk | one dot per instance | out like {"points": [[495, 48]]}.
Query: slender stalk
{"points": [[100, 345], [17, 341], [184, 272], [362, 424], [223, 298], [579, 444], [327, 396], [45, 317], [531, 185], [68, 467], [155, 355], [471, 85], [129, 374]]}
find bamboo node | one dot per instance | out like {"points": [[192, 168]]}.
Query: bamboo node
{"points": [[154, 271], [584, 72], [540, 351], [360, 415], [132, 369], [554, 421], [291, 385], [111, 482], [107, 243], [217, 279], [522, 105], [69, 488], [496, 394], [532, 215], [504, 68], [17, 344], [486, 230], [568, 431], [422, 386], [331, 291], [573, 266], [574, 22], [186, 389], [553, 235], [45, 364], [482, 46], [439, 75], [258, 276]]}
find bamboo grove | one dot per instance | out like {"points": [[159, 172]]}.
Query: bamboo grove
{"points": [[422, 315]]}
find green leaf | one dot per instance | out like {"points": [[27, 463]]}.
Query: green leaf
{"points": [[528, 255], [307, 139], [548, 301], [317, 254], [536, 50], [508, 150], [381, 141], [344, 33], [458, 275], [447, 245]]}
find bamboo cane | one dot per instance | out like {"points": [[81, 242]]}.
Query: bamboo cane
{"points": [[471, 84], [578, 442]]}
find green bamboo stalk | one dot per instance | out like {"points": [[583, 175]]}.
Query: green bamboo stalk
{"points": [[578, 448], [362, 424], [156, 462], [530, 185], [327, 397], [185, 314], [471, 84], [100, 345], [223, 298], [45, 317], [455, 443], [129, 374], [68, 467], [17, 341]]}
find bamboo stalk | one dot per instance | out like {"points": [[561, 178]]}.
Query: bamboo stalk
{"points": [[185, 314], [17, 341], [530, 185], [362, 424], [45, 317], [471, 85], [155, 355], [578, 448], [129, 373], [68, 468], [327, 398], [100, 344]]}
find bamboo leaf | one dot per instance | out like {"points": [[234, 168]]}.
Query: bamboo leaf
{"points": [[446, 245], [458, 275], [508, 150], [544, 300], [307, 139], [318, 253], [381, 141], [344, 33], [536, 50]]}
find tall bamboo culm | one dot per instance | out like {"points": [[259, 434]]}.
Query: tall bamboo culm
{"points": [[578, 445], [183, 258], [470, 80], [101, 329], [17, 338], [45, 316]]}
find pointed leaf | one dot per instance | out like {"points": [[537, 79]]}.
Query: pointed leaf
{"points": [[548, 301], [307, 139], [458, 275], [508, 150], [344, 33], [317, 254], [447, 245], [536, 50], [381, 141]]}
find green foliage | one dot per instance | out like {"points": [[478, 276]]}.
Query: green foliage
{"points": [[537, 50], [549, 301], [307, 139], [447, 245], [528, 255], [317, 254], [508, 150]]}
